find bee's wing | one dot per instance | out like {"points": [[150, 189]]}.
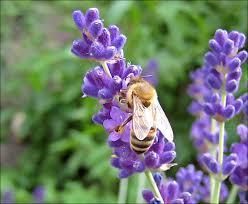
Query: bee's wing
{"points": [[142, 118], [162, 122]]}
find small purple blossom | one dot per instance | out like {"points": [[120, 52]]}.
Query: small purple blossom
{"points": [[39, 194], [223, 65], [159, 155], [189, 180], [170, 193], [240, 173], [97, 42], [151, 72]]}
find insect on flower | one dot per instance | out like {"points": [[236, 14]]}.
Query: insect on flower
{"points": [[140, 97]]}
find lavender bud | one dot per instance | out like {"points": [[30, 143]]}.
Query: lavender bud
{"points": [[242, 131], [242, 56], [221, 36], [95, 28], [115, 162], [234, 36], [79, 19], [228, 167], [210, 58], [151, 159], [91, 15], [215, 98], [238, 105], [139, 166], [167, 157], [234, 64], [104, 38], [214, 45], [124, 173], [235, 74], [147, 195], [172, 190], [242, 39], [105, 93], [228, 46], [114, 32], [80, 48], [214, 81], [208, 108], [169, 146], [210, 163], [120, 41], [109, 52], [158, 178], [229, 111], [231, 86], [97, 50]]}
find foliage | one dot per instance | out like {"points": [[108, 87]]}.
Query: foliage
{"points": [[64, 151]]}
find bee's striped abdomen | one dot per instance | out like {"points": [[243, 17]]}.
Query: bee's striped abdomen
{"points": [[141, 146]]}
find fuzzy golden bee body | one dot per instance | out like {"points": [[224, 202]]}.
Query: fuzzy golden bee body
{"points": [[147, 115]]}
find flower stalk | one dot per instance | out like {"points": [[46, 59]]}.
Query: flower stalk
{"points": [[154, 185], [217, 186], [105, 68], [122, 196], [232, 195]]}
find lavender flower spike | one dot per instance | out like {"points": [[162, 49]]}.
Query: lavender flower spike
{"points": [[97, 42]]}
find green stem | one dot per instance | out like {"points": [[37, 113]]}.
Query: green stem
{"points": [[105, 68], [216, 193], [141, 185], [154, 185], [123, 191], [213, 152], [232, 195]]}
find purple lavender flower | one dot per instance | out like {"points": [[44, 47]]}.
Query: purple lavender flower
{"points": [[160, 155], [204, 140], [198, 90], [212, 166], [244, 98], [97, 42], [189, 180], [7, 197], [98, 85], [240, 174], [39, 194], [223, 65], [117, 118], [243, 197], [170, 193]]}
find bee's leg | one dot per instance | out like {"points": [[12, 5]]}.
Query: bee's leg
{"points": [[120, 127]]}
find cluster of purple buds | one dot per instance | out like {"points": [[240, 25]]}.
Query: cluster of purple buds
{"points": [[240, 175], [204, 140], [199, 91], [158, 157], [197, 184], [212, 166], [99, 85], [170, 192], [223, 65], [97, 42]]}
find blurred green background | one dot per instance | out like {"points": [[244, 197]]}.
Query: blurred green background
{"points": [[47, 136]]}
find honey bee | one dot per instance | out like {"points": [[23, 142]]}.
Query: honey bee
{"points": [[147, 115]]}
